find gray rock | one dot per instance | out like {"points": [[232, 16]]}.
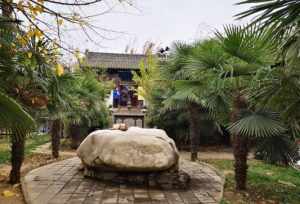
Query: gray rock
{"points": [[134, 150]]}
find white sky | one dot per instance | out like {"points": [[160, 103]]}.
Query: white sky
{"points": [[158, 21]]}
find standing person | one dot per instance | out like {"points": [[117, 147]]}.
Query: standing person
{"points": [[116, 98]]}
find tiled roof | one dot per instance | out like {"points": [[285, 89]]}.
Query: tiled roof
{"points": [[113, 60]]}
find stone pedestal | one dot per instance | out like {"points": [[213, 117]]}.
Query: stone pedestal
{"points": [[168, 180]]}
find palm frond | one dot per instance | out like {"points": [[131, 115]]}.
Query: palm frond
{"points": [[209, 53], [258, 124], [187, 90], [217, 103], [207, 59], [13, 116], [248, 44], [277, 150], [281, 16]]}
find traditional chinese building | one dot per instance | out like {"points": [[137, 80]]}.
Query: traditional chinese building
{"points": [[124, 102]]}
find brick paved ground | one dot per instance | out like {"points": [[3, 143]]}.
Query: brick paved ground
{"points": [[62, 183]]}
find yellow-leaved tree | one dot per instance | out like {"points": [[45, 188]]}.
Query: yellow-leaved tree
{"points": [[149, 77]]}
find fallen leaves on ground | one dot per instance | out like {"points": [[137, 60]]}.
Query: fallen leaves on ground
{"points": [[8, 193]]}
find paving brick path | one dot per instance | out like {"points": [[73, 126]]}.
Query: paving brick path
{"points": [[62, 183]]}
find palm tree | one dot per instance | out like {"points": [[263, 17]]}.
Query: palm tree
{"points": [[182, 83], [189, 70], [278, 88], [250, 52], [13, 116], [180, 96], [60, 99], [35, 83], [15, 119], [87, 109]]}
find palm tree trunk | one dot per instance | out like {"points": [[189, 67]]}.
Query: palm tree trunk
{"points": [[74, 131], [55, 137], [6, 8], [240, 146], [18, 139], [17, 157], [194, 130], [240, 151]]}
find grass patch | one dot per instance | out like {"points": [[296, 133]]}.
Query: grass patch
{"points": [[32, 142], [266, 183]]}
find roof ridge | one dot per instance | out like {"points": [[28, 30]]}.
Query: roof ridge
{"points": [[111, 53], [114, 60]]}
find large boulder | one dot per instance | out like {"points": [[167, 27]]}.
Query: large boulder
{"points": [[134, 150]]}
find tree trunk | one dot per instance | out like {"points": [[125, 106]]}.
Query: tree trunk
{"points": [[194, 130], [240, 146], [7, 9], [55, 137], [74, 131], [240, 151], [18, 140], [17, 157], [62, 127]]}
